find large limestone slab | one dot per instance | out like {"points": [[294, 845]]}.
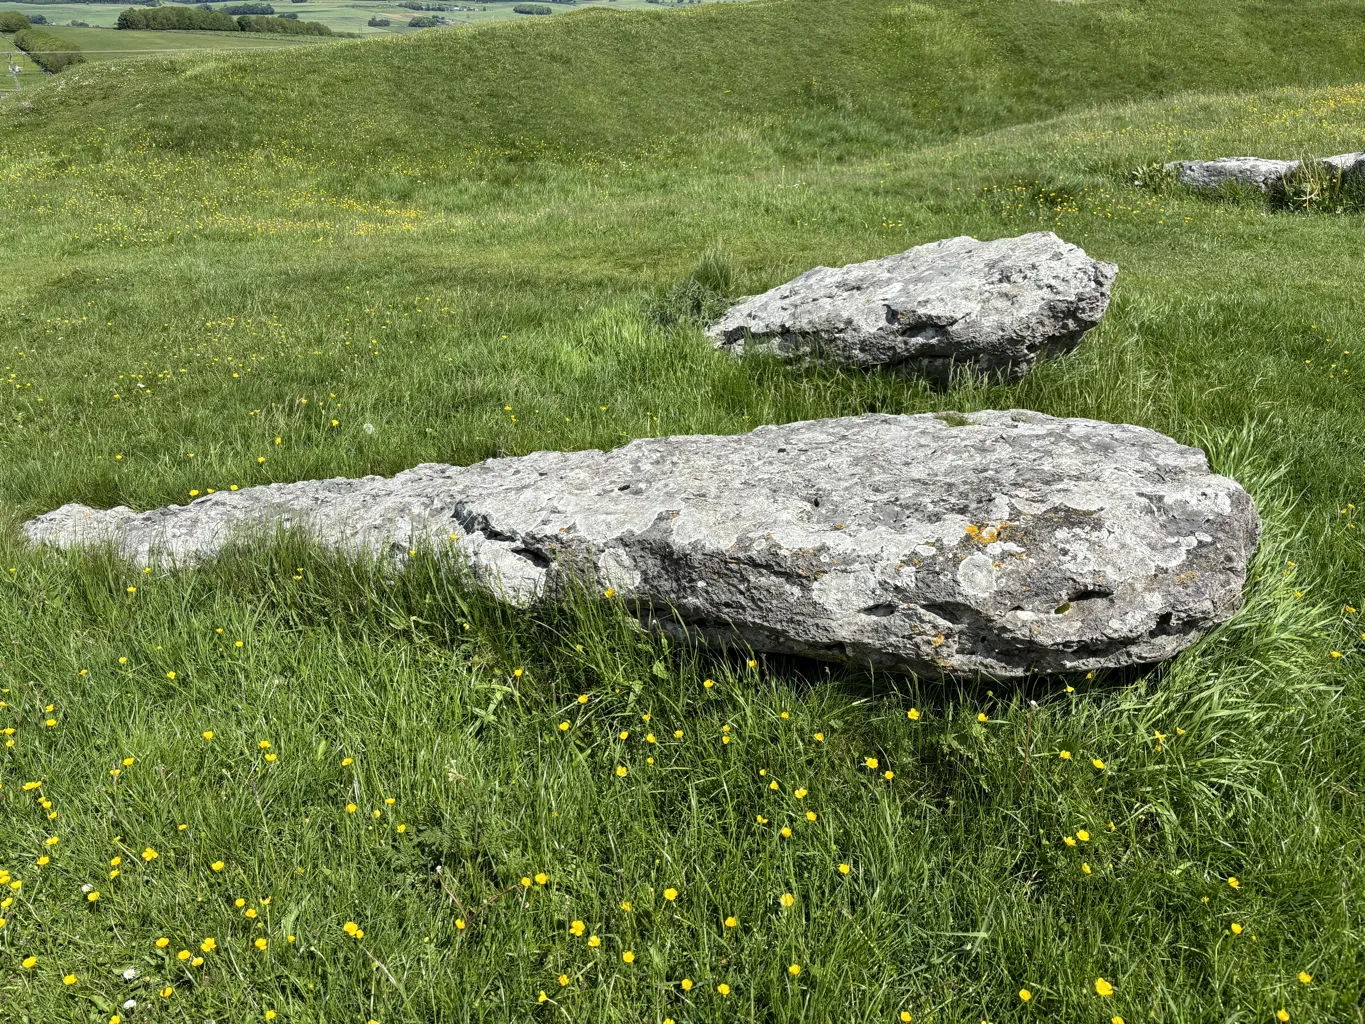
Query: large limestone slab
{"points": [[995, 542], [992, 307]]}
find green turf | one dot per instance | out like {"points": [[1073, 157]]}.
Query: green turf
{"points": [[446, 244]]}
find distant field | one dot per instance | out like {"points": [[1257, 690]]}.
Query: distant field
{"points": [[339, 15], [27, 69]]}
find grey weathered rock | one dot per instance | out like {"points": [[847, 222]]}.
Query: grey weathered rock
{"points": [[1254, 170], [1346, 163], [994, 307], [996, 542], [1248, 170]]}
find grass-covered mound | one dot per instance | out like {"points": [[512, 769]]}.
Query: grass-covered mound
{"points": [[231, 270]]}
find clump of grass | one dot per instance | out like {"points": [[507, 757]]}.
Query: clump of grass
{"points": [[698, 299], [1316, 186], [1154, 177]]}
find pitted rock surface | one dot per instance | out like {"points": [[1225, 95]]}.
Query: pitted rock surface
{"points": [[1254, 170], [1002, 543], [993, 307]]}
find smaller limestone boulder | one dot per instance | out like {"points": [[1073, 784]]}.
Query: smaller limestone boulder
{"points": [[1346, 164], [1256, 171], [1248, 170], [993, 307]]}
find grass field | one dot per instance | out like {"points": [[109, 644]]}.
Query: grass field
{"points": [[348, 796], [27, 69]]}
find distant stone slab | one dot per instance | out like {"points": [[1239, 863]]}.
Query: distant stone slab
{"points": [[1004, 543], [991, 307], [1254, 170]]}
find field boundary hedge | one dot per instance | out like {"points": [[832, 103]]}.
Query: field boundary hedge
{"points": [[203, 19], [49, 52]]}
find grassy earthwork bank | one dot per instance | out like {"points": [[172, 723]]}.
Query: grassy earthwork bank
{"points": [[284, 786]]}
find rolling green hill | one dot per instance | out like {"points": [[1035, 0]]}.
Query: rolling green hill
{"points": [[792, 74], [224, 270]]}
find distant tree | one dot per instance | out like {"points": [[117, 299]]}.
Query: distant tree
{"points": [[248, 8], [379, 23], [282, 26], [532, 9], [37, 19], [176, 18]]}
